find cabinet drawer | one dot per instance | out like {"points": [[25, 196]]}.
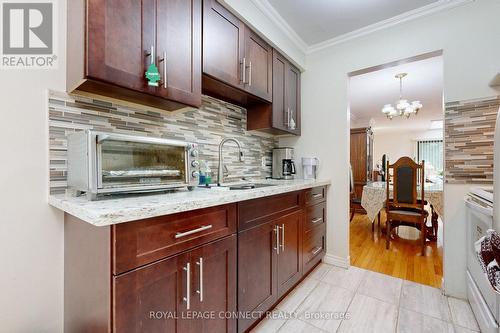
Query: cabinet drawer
{"points": [[315, 195], [142, 242], [257, 211], [313, 248], [315, 216]]}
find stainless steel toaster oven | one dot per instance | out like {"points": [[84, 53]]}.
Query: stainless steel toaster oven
{"points": [[102, 163]]}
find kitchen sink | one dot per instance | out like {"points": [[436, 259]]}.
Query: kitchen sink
{"points": [[239, 186], [248, 186]]}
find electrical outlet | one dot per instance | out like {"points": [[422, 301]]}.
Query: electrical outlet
{"points": [[263, 162]]}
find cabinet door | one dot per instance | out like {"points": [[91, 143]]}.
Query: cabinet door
{"points": [[178, 38], [293, 99], [120, 36], [258, 66], [147, 299], [214, 273], [223, 42], [279, 93], [289, 264], [257, 288]]}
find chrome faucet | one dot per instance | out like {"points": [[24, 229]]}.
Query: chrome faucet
{"points": [[220, 173]]}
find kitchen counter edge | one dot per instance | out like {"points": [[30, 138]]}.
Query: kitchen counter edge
{"points": [[119, 210]]}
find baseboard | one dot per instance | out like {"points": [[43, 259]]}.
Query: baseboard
{"points": [[331, 259]]}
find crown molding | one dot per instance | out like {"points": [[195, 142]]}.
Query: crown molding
{"points": [[268, 10], [402, 18]]}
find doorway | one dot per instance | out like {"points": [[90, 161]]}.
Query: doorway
{"points": [[381, 132]]}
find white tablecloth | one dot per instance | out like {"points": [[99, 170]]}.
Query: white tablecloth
{"points": [[374, 196]]}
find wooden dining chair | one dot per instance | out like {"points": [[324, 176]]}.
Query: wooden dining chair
{"points": [[404, 208], [354, 203]]}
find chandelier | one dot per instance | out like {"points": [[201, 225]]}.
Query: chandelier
{"points": [[403, 107]]}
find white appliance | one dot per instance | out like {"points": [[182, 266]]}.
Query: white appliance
{"points": [[483, 213], [310, 166], [483, 300]]}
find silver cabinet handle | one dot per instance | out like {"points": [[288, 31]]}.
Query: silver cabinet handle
{"points": [[194, 231], [289, 118], [200, 290], [277, 232], [151, 53], [316, 220], [164, 60], [243, 70], [249, 73], [282, 243], [187, 299], [315, 252], [317, 195]]}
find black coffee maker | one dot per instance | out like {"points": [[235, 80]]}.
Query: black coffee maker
{"points": [[283, 164]]}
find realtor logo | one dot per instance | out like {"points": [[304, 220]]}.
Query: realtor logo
{"points": [[28, 34]]}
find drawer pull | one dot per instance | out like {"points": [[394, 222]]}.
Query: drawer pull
{"points": [[277, 231], [317, 195], [187, 299], [316, 220], [200, 291], [194, 231], [315, 252], [282, 243]]}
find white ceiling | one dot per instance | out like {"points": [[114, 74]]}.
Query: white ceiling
{"points": [[369, 92], [316, 21]]}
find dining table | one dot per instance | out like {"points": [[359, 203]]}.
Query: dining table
{"points": [[374, 197]]}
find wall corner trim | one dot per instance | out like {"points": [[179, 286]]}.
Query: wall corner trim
{"points": [[343, 262]]}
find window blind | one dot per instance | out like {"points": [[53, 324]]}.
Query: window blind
{"points": [[431, 151]]}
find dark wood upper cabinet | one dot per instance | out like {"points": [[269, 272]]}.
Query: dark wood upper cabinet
{"points": [[258, 62], [237, 63], [283, 116], [292, 88], [178, 43], [111, 44], [223, 44], [279, 107], [118, 33]]}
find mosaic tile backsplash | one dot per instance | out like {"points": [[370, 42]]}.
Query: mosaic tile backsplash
{"points": [[207, 126], [469, 131]]}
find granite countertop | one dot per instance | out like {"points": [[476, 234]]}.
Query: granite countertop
{"points": [[109, 211]]}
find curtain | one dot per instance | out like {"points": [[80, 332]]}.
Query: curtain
{"points": [[431, 151]]}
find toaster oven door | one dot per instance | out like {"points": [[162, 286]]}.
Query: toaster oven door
{"points": [[129, 163]]}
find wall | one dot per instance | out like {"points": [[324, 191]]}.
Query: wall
{"points": [[468, 36], [399, 144], [206, 126], [31, 232]]}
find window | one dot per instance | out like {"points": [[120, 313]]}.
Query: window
{"points": [[431, 151]]}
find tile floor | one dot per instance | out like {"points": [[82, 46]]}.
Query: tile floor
{"points": [[371, 302]]}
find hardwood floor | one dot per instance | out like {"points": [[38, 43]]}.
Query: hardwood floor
{"points": [[403, 259]]}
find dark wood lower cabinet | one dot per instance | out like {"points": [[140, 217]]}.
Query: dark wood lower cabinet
{"points": [[244, 272], [163, 297], [146, 299], [257, 288], [215, 284], [289, 265]]}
